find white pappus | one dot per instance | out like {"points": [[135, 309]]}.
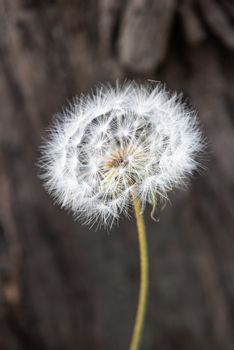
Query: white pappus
{"points": [[122, 141]]}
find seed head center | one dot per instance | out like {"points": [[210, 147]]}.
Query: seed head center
{"points": [[120, 158]]}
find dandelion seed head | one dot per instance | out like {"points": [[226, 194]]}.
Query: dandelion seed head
{"points": [[119, 142]]}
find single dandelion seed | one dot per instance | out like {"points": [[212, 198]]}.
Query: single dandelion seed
{"points": [[122, 146]]}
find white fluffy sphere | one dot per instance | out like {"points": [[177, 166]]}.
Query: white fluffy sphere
{"points": [[123, 141]]}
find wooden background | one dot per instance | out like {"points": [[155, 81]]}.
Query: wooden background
{"points": [[63, 286]]}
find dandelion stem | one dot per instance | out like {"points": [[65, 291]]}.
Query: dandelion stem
{"points": [[144, 279]]}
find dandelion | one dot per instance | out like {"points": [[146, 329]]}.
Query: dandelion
{"points": [[122, 146]]}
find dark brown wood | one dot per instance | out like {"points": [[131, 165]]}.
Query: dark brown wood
{"points": [[63, 286]]}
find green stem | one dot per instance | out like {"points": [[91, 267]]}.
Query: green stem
{"points": [[144, 279]]}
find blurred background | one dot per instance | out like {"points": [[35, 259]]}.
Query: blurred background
{"points": [[64, 286]]}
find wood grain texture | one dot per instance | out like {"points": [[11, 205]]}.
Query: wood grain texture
{"points": [[63, 286]]}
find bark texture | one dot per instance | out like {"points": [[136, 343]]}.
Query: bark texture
{"points": [[63, 286]]}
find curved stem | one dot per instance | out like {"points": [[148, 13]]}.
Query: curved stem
{"points": [[144, 279]]}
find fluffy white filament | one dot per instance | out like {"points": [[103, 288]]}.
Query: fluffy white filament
{"points": [[118, 142]]}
